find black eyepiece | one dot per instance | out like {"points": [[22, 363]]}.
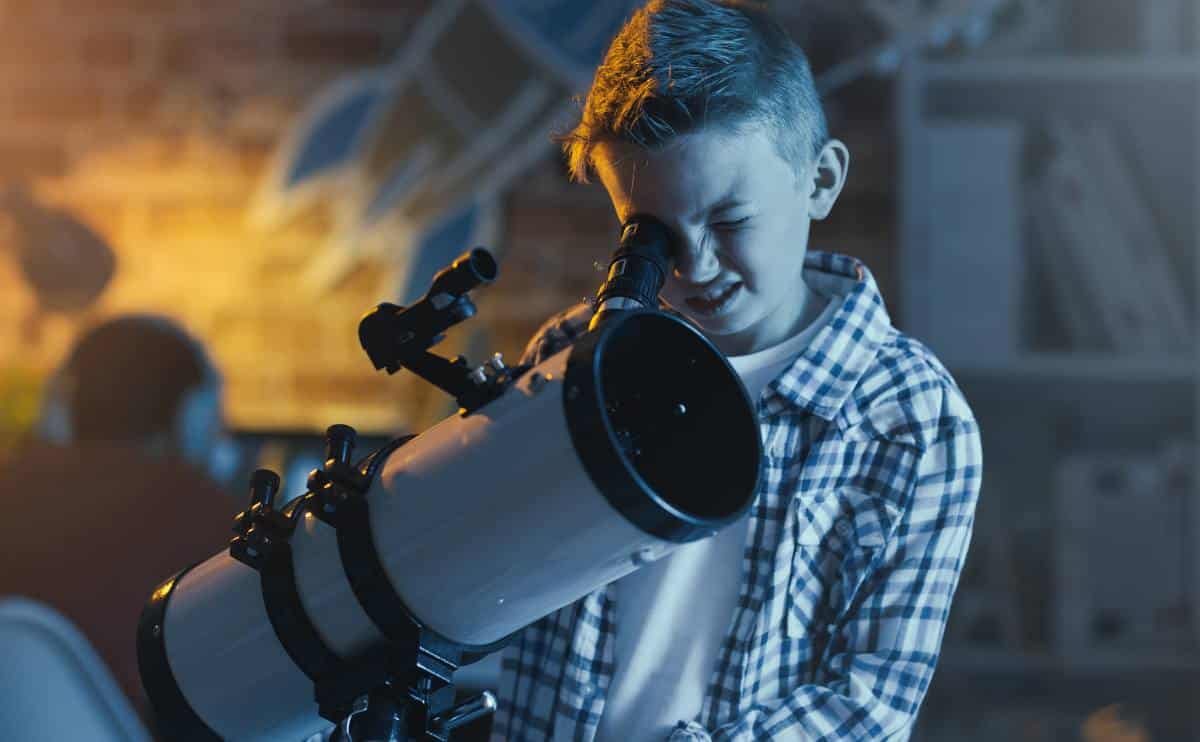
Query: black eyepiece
{"points": [[468, 271], [638, 268]]}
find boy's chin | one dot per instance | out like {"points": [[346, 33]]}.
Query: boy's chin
{"points": [[721, 324], [720, 330]]}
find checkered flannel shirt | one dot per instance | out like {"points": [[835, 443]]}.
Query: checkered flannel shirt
{"points": [[855, 543]]}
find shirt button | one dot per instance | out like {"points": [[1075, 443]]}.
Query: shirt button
{"points": [[587, 689], [844, 528]]}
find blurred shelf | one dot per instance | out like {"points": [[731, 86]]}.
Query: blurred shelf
{"points": [[993, 661], [1080, 367], [1103, 69], [976, 661]]}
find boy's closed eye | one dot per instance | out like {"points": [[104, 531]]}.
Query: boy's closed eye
{"points": [[731, 223]]}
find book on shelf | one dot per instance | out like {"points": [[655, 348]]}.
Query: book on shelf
{"points": [[1074, 304], [971, 283], [1076, 203], [1093, 224], [1139, 234]]}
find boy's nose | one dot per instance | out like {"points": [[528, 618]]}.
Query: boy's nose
{"points": [[696, 263]]}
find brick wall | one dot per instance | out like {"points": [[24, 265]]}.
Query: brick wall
{"points": [[153, 121]]}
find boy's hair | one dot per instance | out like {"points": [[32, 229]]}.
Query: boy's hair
{"points": [[679, 65]]}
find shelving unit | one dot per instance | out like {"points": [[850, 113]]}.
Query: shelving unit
{"points": [[962, 660], [1067, 367], [1076, 70], [1025, 399]]}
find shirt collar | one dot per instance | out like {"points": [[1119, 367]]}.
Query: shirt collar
{"points": [[829, 368]]}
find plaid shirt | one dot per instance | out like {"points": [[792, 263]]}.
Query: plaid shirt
{"points": [[854, 548]]}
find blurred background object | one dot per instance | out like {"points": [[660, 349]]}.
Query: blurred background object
{"points": [[118, 486], [53, 685], [1024, 187], [65, 263], [1068, 177], [66, 266]]}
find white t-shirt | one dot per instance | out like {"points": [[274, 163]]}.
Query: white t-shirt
{"points": [[663, 666], [759, 369]]}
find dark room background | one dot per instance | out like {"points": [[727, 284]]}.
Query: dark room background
{"points": [[1023, 186]]}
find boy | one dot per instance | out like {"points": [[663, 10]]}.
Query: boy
{"points": [[820, 616]]}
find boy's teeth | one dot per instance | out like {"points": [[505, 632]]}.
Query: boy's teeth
{"points": [[713, 297], [712, 302], [720, 294]]}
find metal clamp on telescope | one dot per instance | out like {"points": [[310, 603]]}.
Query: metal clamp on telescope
{"points": [[338, 482], [400, 691], [262, 542], [260, 528], [398, 337]]}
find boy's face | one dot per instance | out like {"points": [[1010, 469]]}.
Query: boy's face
{"points": [[740, 216]]}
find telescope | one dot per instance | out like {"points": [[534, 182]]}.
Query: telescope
{"points": [[355, 604]]}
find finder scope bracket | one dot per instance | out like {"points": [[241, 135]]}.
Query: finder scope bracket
{"points": [[397, 337]]}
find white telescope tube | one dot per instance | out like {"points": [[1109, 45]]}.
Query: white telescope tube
{"points": [[602, 458]]}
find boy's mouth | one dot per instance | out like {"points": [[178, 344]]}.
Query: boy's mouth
{"points": [[716, 302]]}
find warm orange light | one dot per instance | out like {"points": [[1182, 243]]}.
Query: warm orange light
{"points": [[161, 592]]}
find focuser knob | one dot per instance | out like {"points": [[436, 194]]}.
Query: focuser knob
{"points": [[264, 485], [260, 528], [338, 480], [339, 445]]}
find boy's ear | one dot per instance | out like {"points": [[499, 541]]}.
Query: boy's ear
{"points": [[828, 176]]}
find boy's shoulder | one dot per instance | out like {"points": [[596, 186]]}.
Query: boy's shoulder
{"points": [[906, 395]]}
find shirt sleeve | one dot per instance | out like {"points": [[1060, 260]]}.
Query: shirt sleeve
{"points": [[872, 684], [556, 334], [563, 329]]}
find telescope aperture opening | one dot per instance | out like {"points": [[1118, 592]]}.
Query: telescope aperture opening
{"points": [[644, 393]]}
